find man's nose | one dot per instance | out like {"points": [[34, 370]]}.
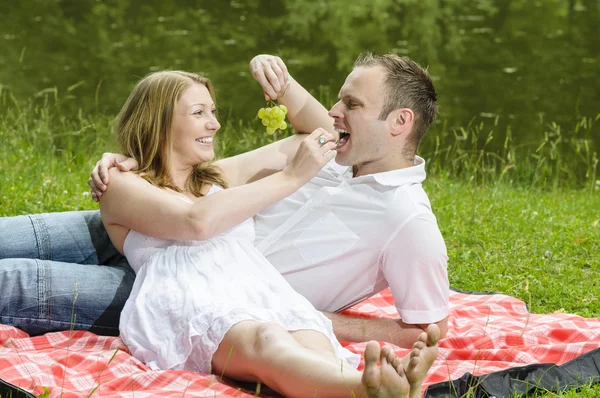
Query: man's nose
{"points": [[335, 110]]}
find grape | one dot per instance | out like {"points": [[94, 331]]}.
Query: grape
{"points": [[279, 113], [273, 117]]}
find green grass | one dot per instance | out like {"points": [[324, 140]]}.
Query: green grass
{"points": [[522, 219], [540, 246]]}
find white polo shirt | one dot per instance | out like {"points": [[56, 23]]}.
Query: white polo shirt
{"points": [[339, 240]]}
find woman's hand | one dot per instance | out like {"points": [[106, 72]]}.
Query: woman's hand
{"points": [[99, 178], [316, 150], [272, 74]]}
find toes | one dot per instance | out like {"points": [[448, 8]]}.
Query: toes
{"points": [[415, 353], [371, 376], [419, 345], [372, 353], [383, 361], [385, 352], [414, 362], [433, 335], [391, 357], [401, 372]]}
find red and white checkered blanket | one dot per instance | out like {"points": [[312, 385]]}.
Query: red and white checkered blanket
{"points": [[486, 333]]}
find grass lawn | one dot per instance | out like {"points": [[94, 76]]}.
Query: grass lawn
{"points": [[539, 244]]}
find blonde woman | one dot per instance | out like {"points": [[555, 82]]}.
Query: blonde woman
{"points": [[204, 298]]}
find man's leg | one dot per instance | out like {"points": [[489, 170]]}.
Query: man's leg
{"points": [[40, 296], [70, 237], [50, 278]]}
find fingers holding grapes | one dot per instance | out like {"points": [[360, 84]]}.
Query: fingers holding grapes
{"points": [[271, 73], [313, 153]]}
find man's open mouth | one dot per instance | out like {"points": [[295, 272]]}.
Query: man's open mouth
{"points": [[344, 137]]}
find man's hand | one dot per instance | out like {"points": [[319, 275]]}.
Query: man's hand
{"points": [[272, 74], [99, 178]]}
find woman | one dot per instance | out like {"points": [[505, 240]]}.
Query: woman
{"points": [[204, 298]]}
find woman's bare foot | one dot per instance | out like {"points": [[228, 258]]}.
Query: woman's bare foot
{"points": [[424, 352], [388, 380]]}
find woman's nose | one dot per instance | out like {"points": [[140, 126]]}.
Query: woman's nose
{"points": [[213, 123]]}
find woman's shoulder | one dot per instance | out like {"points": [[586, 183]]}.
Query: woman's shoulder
{"points": [[116, 175]]}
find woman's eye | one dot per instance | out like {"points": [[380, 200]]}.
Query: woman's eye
{"points": [[198, 113]]}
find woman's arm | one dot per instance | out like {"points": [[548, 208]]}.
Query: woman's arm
{"points": [[261, 162], [133, 203]]}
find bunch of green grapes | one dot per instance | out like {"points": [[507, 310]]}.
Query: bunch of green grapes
{"points": [[273, 117]]}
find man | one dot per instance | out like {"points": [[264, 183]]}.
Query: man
{"points": [[362, 224]]}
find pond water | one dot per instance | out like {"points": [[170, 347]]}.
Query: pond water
{"points": [[525, 62]]}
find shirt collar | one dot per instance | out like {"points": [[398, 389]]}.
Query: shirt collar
{"points": [[409, 175]]}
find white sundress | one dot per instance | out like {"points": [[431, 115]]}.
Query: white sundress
{"points": [[188, 294]]}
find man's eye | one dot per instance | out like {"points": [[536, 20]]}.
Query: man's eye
{"points": [[351, 105]]}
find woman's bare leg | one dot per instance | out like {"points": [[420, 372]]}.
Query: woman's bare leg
{"points": [[268, 353], [317, 342]]}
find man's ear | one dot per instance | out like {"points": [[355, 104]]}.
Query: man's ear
{"points": [[401, 121]]}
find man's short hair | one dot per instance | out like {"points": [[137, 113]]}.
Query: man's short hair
{"points": [[407, 85]]}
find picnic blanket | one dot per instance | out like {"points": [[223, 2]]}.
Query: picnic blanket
{"points": [[494, 345]]}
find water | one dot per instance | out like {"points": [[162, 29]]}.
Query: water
{"points": [[517, 63]]}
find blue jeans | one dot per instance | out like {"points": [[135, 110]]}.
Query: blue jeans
{"points": [[60, 271]]}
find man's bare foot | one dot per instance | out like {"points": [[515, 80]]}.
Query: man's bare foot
{"points": [[388, 380], [424, 352]]}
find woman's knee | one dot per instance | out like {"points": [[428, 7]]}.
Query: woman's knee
{"points": [[270, 339], [248, 349]]}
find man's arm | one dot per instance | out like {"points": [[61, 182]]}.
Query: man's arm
{"points": [[414, 263], [305, 113], [349, 328]]}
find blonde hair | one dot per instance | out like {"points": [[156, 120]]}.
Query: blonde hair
{"points": [[143, 130]]}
